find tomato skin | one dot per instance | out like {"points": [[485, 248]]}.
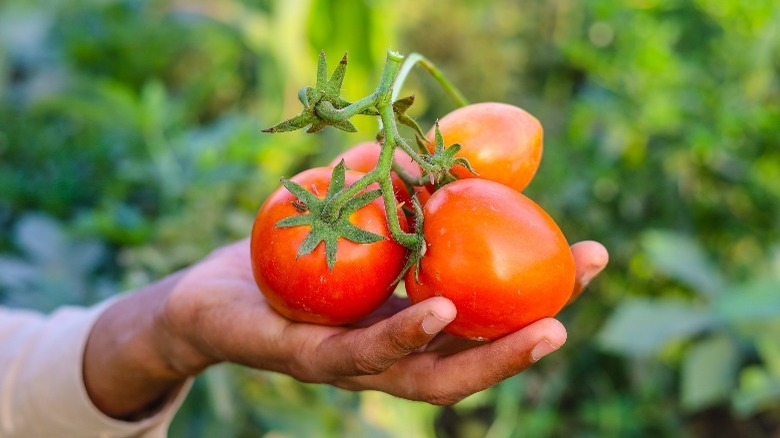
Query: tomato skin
{"points": [[502, 142], [496, 254], [302, 288], [363, 157]]}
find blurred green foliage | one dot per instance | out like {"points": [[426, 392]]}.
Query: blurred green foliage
{"points": [[130, 147]]}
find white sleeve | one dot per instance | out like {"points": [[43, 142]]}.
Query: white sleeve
{"points": [[42, 392]]}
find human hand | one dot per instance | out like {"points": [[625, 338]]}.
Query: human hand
{"points": [[216, 313], [145, 345]]}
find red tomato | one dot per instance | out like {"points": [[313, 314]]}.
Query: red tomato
{"points": [[496, 254], [503, 143], [363, 157], [303, 288]]}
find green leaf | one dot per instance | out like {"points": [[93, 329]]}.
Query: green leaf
{"points": [[757, 389], [709, 372], [683, 259], [751, 303], [642, 327], [769, 350], [403, 104]]}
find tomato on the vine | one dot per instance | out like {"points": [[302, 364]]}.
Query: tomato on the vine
{"points": [[502, 142], [302, 288], [496, 254], [363, 157]]}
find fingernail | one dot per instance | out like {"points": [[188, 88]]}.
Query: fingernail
{"points": [[541, 350], [432, 324]]}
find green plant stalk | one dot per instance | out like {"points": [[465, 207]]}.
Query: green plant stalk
{"points": [[331, 210], [415, 58], [407, 178], [381, 173], [409, 240], [392, 131], [327, 111]]}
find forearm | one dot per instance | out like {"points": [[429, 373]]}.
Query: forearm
{"points": [[127, 369]]}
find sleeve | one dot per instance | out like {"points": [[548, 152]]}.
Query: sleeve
{"points": [[42, 390]]}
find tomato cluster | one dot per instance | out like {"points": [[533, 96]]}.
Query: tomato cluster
{"points": [[495, 253]]}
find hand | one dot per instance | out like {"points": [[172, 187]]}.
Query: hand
{"points": [[213, 312]]}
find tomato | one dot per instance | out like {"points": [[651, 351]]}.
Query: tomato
{"points": [[502, 142], [363, 157], [303, 288], [496, 254]]}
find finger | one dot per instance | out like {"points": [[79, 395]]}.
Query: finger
{"points": [[393, 305], [444, 380], [373, 349], [445, 344], [590, 258]]}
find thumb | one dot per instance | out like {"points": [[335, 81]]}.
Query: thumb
{"points": [[373, 349]]}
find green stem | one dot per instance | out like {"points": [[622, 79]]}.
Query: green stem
{"points": [[331, 210], [386, 161], [327, 111], [380, 97], [391, 132], [409, 240], [406, 177], [415, 58]]}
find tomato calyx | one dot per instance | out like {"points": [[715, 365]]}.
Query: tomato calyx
{"points": [[322, 102], [328, 231], [443, 159]]}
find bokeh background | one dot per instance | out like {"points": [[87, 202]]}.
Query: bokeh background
{"points": [[130, 146]]}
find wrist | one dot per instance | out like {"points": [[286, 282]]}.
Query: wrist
{"points": [[181, 350], [129, 369]]}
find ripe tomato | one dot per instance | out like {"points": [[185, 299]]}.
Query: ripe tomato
{"points": [[363, 157], [503, 143], [303, 288], [496, 254]]}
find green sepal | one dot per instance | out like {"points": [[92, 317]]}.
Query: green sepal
{"points": [[297, 122], [293, 221], [300, 192], [361, 201], [359, 235], [326, 91], [337, 178], [322, 71], [337, 79], [444, 158], [309, 243], [329, 231]]}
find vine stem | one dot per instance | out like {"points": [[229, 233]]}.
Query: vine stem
{"points": [[409, 240], [415, 58]]}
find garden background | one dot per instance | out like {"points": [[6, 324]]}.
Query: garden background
{"points": [[130, 146]]}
